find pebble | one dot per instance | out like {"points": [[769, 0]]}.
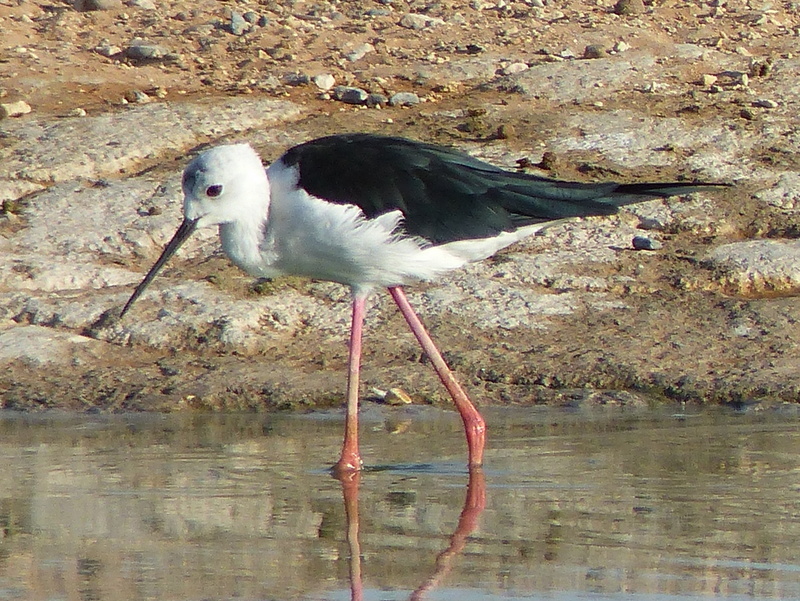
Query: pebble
{"points": [[238, 25], [515, 68], [595, 51], [107, 50], [142, 4], [765, 103], [629, 7], [324, 81], [708, 80], [137, 97], [350, 95], [359, 52], [377, 99], [404, 99], [92, 5], [251, 17], [418, 22], [645, 243], [139, 50], [14, 109], [296, 79]]}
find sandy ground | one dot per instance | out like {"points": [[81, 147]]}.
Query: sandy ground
{"points": [[673, 329]]}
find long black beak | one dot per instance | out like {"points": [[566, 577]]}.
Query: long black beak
{"points": [[185, 230]]}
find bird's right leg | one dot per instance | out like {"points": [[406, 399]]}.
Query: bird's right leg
{"points": [[350, 460]]}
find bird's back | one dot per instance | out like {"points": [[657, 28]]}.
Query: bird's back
{"points": [[446, 195]]}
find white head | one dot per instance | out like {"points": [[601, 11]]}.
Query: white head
{"points": [[224, 184], [221, 185]]}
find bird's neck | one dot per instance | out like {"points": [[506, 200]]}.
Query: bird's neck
{"points": [[243, 239]]}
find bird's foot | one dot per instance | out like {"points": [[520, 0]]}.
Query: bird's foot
{"points": [[348, 464]]}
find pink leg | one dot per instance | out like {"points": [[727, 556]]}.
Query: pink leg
{"points": [[474, 426], [350, 460]]}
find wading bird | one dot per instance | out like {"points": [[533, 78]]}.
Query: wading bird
{"points": [[372, 211]]}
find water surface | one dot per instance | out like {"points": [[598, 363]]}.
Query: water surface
{"points": [[591, 504]]}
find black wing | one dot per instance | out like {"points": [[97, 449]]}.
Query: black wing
{"points": [[446, 195]]}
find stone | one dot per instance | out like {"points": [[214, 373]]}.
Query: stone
{"points": [[350, 95], [595, 51], [359, 52], [629, 7], [757, 266], [324, 81], [237, 24], [645, 243], [14, 109], [418, 22], [404, 99], [93, 5], [140, 50]]}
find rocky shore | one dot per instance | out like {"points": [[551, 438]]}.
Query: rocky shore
{"points": [[691, 299]]}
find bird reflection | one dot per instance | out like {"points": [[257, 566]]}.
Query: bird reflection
{"points": [[474, 504]]}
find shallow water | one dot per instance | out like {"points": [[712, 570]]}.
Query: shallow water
{"points": [[593, 505]]}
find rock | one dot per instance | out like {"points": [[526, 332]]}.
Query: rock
{"points": [[595, 51], [404, 99], [92, 5], [645, 243], [359, 52], [37, 345], [350, 95], [765, 103], [142, 4], [137, 97], [514, 68], [377, 99], [757, 266], [107, 50], [140, 50], [237, 24], [418, 22], [708, 80], [14, 109], [324, 81], [296, 79], [251, 17], [629, 7]]}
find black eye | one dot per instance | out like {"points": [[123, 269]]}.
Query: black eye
{"points": [[214, 191]]}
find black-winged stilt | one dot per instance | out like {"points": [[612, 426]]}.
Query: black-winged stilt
{"points": [[371, 211]]}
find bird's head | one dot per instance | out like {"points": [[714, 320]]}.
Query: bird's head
{"points": [[221, 185], [224, 184]]}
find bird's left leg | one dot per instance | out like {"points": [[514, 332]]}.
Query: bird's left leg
{"points": [[474, 425], [350, 460]]}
